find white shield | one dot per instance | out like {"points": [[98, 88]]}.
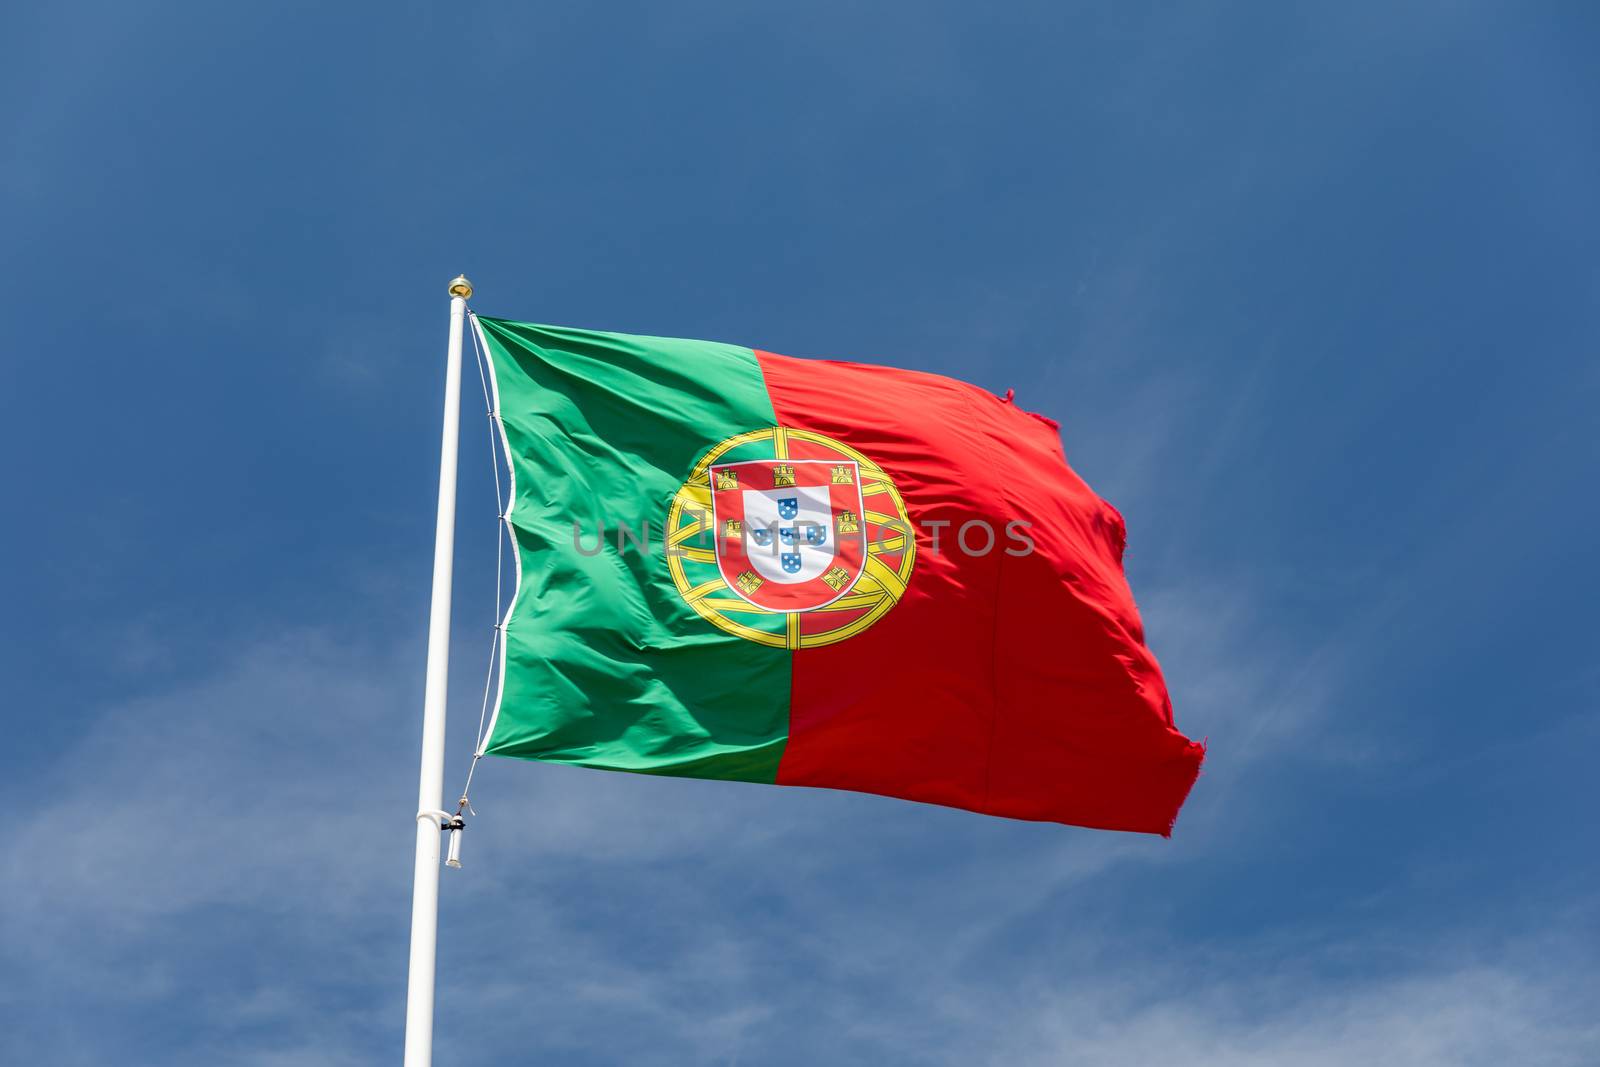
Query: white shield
{"points": [[790, 532]]}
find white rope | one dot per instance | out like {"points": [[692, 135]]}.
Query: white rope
{"points": [[481, 358]]}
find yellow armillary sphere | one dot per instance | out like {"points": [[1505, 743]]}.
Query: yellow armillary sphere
{"points": [[789, 539]]}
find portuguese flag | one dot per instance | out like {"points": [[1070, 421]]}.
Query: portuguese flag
{"points": [[739, 565]]}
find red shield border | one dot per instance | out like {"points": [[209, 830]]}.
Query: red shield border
{"points": [[850, 548]]}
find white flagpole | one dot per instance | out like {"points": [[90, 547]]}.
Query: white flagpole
{"points": [[430, 783]]}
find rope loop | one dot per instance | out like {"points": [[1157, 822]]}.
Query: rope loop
{"points": [[502, 525]]}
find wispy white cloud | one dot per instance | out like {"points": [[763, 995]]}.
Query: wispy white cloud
{"points": [[1450, 1017]]}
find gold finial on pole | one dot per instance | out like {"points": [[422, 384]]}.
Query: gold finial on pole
{"points": [[459, 286]]}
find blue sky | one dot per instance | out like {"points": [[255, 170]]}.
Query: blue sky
{"points": [[1313, 293]]}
